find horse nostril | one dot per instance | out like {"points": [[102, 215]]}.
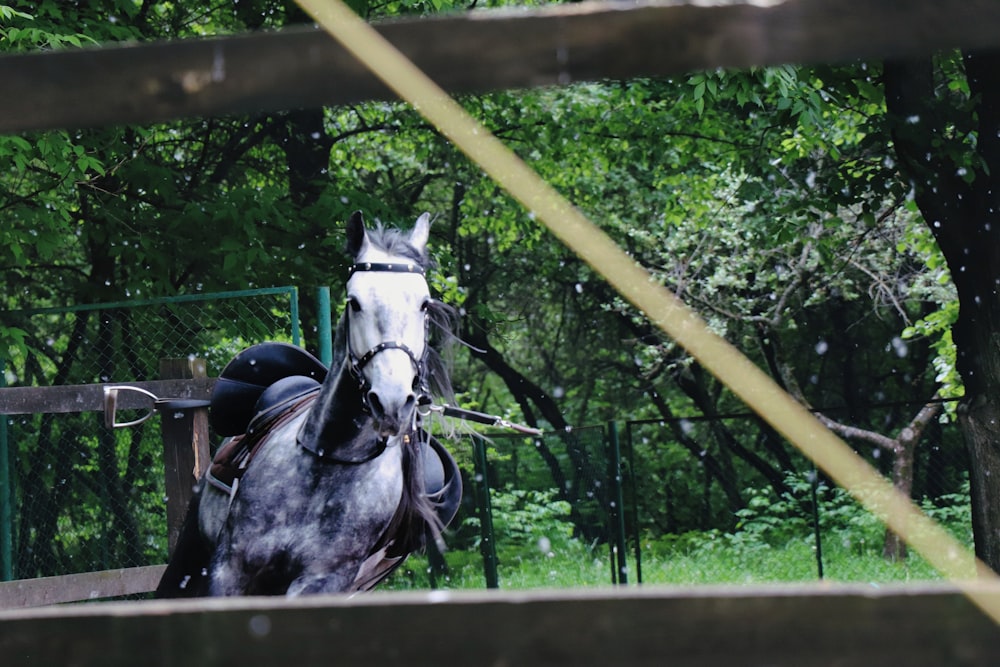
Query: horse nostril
{"points": [[375, 403]]}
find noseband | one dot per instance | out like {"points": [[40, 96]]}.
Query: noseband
{"points": [[357, 364]]}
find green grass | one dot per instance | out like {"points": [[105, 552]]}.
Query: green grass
{"points": [[712, 560], [773, 542]]}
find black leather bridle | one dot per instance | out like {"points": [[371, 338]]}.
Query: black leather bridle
{"points": [[356, 364]]}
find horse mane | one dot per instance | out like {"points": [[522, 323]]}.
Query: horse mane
{"points": [[395, 241]]}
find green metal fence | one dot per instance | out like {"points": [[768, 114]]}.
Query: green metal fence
{"points": [[536, 498], [542, 499], [78, 496]]}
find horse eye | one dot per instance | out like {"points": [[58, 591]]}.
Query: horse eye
{"points": [[354, 304], [425, 306]]}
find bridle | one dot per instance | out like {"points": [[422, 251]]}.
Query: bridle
{"points": [[356, 364]]}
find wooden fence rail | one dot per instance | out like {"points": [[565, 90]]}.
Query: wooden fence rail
{"points": [[185, 457], [79, 587], [90, 397], [473, 52], [794, 626]]}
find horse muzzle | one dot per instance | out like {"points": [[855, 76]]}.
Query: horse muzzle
{"points": [[391, 416], [390, 399]]}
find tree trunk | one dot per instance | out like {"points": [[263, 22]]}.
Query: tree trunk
{"points": [[956, 185], [893, 546], [978, 420]]}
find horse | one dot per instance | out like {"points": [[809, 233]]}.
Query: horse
{"points": [[329, 480]]}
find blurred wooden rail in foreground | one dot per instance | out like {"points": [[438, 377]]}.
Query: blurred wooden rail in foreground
{"points": [[798, 626], [812, 625], [472, 52]]}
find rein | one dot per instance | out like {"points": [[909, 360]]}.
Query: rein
{"points": [[480, 417]]}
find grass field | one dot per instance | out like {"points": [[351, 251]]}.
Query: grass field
{"points": [[712, 562], [773, 542]]}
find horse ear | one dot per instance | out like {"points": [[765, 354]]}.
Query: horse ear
{"points": [[421, 232], [356, 234]]}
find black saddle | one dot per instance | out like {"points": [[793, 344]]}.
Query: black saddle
{"points": [[259, 380]]}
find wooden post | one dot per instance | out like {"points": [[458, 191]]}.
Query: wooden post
{"points": [[186, 452]]}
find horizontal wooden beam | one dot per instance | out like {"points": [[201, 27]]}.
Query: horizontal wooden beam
{"points": [[797, 626], [475, 51], [90, 397], [79, 587]]}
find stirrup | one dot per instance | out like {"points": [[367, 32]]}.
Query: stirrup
{"points": [[111, 405]]}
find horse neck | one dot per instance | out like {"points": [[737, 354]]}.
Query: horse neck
{"points": [[337, 418]]}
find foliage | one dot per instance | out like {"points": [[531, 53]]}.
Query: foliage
{"points": [[525, 517], [768, 199], [936, 325]]}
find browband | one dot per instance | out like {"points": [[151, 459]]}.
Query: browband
{"points": [[396, 267]]}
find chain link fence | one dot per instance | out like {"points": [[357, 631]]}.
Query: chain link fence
{"points": [[80, 496]]}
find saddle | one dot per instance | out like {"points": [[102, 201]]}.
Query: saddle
{"points": [[261, 387], [258, 379]]}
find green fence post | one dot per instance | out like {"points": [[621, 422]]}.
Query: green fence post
{"points": [[487, 544], [293, 307], [324, 325], [6, 498], [634, 502], [616, 515], [817, 534]]}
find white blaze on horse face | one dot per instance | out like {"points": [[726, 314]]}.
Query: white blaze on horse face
{"points": [[388, 307]]}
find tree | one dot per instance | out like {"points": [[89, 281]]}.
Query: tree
{"points": [[945, 125]]}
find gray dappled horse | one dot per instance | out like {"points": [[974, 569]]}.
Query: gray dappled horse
{"points": [[329, 482]]}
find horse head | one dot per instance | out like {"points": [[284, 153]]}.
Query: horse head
{"points": [[387, 305]]}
